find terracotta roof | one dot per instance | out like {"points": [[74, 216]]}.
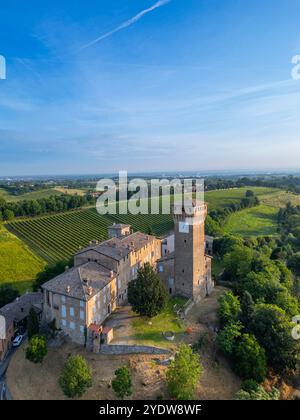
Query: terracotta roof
{"points": [[81, 282]]}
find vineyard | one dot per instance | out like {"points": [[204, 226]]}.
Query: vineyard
{"points": [[58, 237]]}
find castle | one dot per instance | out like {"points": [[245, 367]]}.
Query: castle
{"points": [[84, 296]]}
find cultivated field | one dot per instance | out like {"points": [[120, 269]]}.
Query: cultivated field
{"points": [[59, 236], [18, 263], [35, 195]]}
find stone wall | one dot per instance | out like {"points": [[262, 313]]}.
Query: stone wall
{"points": [[134, 349]]}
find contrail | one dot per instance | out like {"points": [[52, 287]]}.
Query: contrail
{"points": [[129, 22]]}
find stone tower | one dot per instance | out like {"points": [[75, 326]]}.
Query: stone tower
{"points": [[190, 275]]}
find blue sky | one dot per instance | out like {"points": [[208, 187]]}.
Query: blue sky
{"points": [[143, 85]]}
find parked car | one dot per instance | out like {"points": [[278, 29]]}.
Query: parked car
{"points": [[17, 340]]}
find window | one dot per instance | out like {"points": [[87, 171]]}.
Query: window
{"points": [[161, 268], [63, 311], [82, 329], [63, 299], [81, 315], [81, 304], [72, 325], [72, 311], [64, 323], [48, 298]]}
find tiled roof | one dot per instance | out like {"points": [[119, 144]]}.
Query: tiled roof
{"points": [[20, 307], [81, 282], [118, 248]]}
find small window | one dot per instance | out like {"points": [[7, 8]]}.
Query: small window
{"points": [[63, 311], [82, 329], [81, 304], [64, 323], [81, 315], [72, 311], [72, 325], [63, 299], [161, 268]]}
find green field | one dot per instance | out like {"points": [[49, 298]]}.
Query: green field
{"points": [[255, 221], [223, 198], [35, 195], [59, 236], [55, 237], [18, 264]]}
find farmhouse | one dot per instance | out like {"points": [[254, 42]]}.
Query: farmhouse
{"points": [[83, 297]]}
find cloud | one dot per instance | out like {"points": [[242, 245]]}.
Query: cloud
{"points": [[126, 24]]}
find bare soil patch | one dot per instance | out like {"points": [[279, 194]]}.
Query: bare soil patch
{"points": [[40, 382]]}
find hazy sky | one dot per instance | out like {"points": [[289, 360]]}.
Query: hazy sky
{"points": [[145, 85]]}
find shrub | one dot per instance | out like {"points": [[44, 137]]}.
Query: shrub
{"points": [[122, 383], [37, 349], [75, 377]]}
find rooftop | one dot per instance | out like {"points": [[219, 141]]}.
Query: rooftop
{"points": [[81, 282], [118, 248], [20, 307]]}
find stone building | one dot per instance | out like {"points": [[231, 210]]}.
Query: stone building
{"points": [[87, 293], [187, 270], [15, 315]]}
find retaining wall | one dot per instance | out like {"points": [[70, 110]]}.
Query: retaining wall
{"points": [[127, 349]]}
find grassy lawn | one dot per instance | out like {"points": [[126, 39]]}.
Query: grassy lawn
{"points": [[166, 321], [18, 265], [255, 221], [222, 198], [280, 199]]}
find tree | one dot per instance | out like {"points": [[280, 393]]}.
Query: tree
{"points": [[228, 336], [33, 325], [147, 294], [272, 329], [229, 308], [259, 394], [238, 262], [8, 294], [249, 193], [75, 377], [8, 215], [122, 383], [50, 272], [247, 307], [183, 374], [251, 362], [37, 349]]}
